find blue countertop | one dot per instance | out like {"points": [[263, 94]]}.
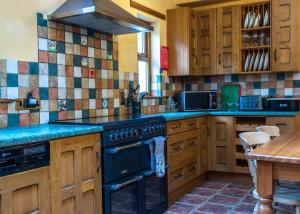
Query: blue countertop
{"points": [[183, 115], [31, 134]]}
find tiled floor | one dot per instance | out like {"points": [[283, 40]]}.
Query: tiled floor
{"points": [[216, 198]]}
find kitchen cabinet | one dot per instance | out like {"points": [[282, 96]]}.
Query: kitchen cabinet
{"points": [[287, 125], [185, 147], [206, 41], [228, 22], [203, 154], [76, 175], [25, 192], [181, 36], [285, 35], [221, 144]]}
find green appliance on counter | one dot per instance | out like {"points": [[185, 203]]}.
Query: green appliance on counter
{"points": [[230, 95]]}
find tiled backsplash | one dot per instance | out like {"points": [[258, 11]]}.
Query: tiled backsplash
{"points": [[76, 76], [275, 84]]}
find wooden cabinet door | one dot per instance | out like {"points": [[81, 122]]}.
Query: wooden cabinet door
{"points": [[221, 147], [76, 175], [206, 39], [181, 36], [25, 192], [287, 125], [228, 23], [285, 32]]}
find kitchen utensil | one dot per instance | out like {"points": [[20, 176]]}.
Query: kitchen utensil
{"points": [[266, 18], [257, 20], [247, 19], [256, 62], [247, 61], [266, 61], [252, 62], [261, 61], [252, 20]]}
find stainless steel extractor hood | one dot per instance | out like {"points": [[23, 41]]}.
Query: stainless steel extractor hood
{"points": [[101, 15]]}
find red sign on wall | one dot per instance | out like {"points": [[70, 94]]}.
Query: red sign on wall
{"points": [[164, 58]]}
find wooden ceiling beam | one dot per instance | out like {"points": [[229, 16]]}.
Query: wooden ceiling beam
{"points": [[148, 10]]}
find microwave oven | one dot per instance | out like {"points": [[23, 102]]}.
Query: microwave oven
{"points": [[197, 100]]}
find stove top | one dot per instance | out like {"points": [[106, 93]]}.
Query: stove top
{"points": [[112, 120], [125, 128]]}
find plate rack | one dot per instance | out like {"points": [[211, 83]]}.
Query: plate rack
{"points": [[256, 38]]}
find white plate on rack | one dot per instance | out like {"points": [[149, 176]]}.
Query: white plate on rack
{"points": [[256, 62], [252, 62], [266, 18], [261, 61], [252, 20], [247, 61], [266, 61], [257, 21], [247, 19]]}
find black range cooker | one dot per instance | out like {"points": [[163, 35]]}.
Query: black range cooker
{"points": [[129, 184]]}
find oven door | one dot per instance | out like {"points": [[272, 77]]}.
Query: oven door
{"points": [[122, 161], [156, 193], [125, 196]]}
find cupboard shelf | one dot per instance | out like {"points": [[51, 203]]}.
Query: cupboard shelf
{"points": [[256, 28], [257, 47]]}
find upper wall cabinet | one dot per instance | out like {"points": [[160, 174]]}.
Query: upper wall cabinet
{"points": [[181, 35], [228, 19], [206, 39], [285, 35]]}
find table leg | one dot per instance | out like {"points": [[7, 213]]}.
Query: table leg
{"points": [[265, 187]]}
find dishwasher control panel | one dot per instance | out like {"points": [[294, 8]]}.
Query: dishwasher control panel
{"points": [[21, 158]]}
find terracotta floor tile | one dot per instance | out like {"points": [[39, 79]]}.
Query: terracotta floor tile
{"points": [[181, 208], [192, 199], [214, 208], [233, 192], [244, 208], [240, 186], [212, 185], [249, 199], [203, 192], [225, 200]]}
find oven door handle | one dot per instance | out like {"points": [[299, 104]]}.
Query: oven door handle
{"points": [[117, 149], [115, 187]]}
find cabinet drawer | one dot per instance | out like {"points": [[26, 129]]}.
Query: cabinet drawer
{"points": [[183, 145], [175, 127], [191, 124], [181, 172], [179, 126]]}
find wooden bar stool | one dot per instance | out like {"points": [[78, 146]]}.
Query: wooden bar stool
{"points": [[284, 194]]}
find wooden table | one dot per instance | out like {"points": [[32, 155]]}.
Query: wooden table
{"points": [[279, 159]]}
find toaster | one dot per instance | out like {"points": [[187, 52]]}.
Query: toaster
{"points": [[251, 103]]}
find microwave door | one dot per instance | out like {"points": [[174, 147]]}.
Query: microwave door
{"points": [[197, 101]]}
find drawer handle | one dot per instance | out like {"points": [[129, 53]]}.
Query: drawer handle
{"points": [[176, 148], [192, 168], [190, 144], [192, 124], [174, 127], [177, 176]]}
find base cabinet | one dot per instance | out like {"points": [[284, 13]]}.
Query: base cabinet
{"points": [[76, 175], [221, 144], [26, 192]]}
